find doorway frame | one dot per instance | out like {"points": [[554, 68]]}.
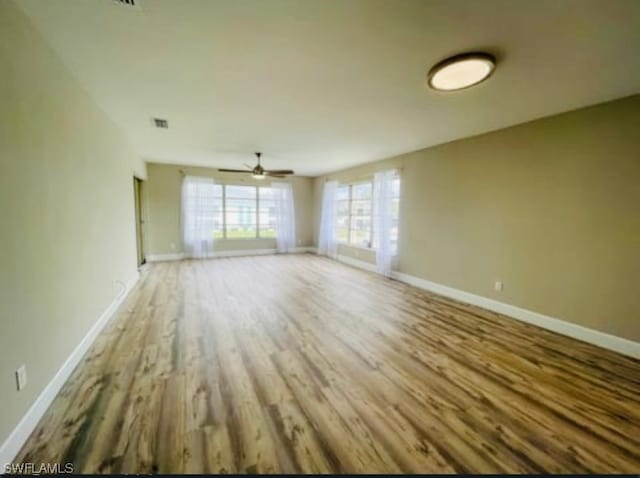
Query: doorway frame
{"points": [[139, 218]]}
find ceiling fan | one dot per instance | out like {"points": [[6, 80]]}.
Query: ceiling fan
{"points": [[258, 172]]}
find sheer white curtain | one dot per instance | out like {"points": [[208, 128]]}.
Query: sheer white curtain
{"points": [[327, 242], [382, 219], [285, 216], [198, 216]]}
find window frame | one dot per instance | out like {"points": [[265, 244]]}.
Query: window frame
{"points": [[372, 246], [257, 213], [350, 214]]}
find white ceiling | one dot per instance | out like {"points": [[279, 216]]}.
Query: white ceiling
{"points": [[320, 85]]}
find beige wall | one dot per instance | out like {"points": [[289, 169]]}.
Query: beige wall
{"points": [[551, 208], [66, 193], [162, 196]]}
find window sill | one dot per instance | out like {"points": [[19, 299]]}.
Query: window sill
{"points": [[363, 248]]}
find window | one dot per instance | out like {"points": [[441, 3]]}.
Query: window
{"points": [[218, 222], [395, 214], [267, 215], [343, 197], [354, 214], [243, 212]]}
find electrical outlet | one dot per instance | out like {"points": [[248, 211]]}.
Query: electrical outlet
{"points": [[117, 287], [173, 246], [498, 286], [21, 377]]}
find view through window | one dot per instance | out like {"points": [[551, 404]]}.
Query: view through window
{"points": [[243, 212], [355, 215]]}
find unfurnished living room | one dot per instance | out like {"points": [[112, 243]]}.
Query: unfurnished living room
{"points": [[320, 236]]}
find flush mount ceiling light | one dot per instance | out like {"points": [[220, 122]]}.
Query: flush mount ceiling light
{"points": [[461, 71]]}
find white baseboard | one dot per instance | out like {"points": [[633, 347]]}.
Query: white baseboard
{"points": [[175, 256], [302, 250], [178, 256], [367, 266], [595, 337], [14, 442], [241, 253]]}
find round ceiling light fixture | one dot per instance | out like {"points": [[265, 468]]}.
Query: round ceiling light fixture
{"points": [[461, 71]]}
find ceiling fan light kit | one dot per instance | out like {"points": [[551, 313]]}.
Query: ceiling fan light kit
{"points": [[258, 172]]}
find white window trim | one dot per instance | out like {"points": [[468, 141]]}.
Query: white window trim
{"points": [[347, 243], [224, 213]]}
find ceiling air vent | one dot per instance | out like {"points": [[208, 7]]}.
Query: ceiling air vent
{"points": [[161, 123]]}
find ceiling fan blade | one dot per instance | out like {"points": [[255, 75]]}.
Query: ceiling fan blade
{"points": [[278, 171], [234, 171], [250, 168]]}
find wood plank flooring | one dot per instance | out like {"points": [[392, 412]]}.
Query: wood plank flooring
{"points": [[298, 363]]}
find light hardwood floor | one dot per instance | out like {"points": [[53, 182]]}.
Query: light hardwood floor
{"points": [[301, 364]]}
